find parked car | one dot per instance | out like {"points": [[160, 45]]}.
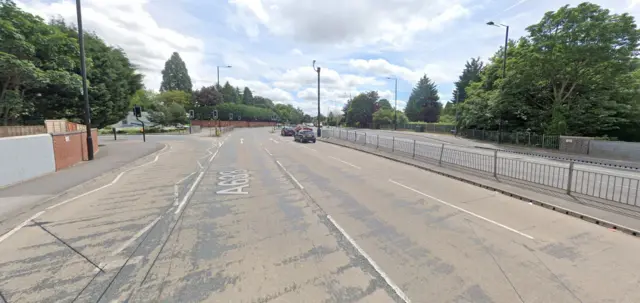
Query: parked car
{"points": [[287, 131], [304, 135]]}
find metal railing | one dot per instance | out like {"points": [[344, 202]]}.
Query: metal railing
{"points": [[529, 139], [565, 177]]}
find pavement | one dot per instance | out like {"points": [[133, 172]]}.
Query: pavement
{"points": [[255, 217], [111, 155]]}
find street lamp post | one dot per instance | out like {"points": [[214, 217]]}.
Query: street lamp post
{"points": [[85, 89], [218, 68], [395, 106], [504, 68], [317, 69]]}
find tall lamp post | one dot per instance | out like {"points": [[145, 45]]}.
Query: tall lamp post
{"points": [[218, 68], [85, 89], [504, 68], [317, 69], [395, 107]]}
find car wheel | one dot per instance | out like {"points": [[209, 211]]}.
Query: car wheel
{"points": [[314, 141]]}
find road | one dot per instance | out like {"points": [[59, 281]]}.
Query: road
{"points": [[255, 217], [609, 184]]}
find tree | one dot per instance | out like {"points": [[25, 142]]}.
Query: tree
{"points": [[286, 112], [423, 102], [207, 96], [383, 104], [247, 96], [147, 99], [262, 102], [361, 109], [572, 74], [306, 118], [39, 72], [385, 117], [169, 115], [175, 96], [229, 94], [175, 75], [470, 73]]}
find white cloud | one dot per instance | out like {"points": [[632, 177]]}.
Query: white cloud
{"points": [[271, 43]]}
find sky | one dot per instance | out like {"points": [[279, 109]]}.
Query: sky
{"points": [[271, 44]]}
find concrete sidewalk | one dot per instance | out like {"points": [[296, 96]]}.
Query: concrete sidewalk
{"points": [[112, 155]]}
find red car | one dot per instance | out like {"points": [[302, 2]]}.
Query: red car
{"points": [[287, 131]]}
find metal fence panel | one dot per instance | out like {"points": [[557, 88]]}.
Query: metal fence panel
{"points": [[615, 188]]}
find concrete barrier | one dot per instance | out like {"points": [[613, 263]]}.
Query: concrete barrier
{"points": [[25, 157]]}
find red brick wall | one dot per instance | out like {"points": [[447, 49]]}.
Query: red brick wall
{"points": [[209, 123], [71, 148]]}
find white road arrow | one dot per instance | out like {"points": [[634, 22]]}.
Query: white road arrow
{"points": [[241, 140]]}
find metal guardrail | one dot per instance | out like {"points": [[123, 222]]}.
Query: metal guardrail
{"points": [[567, 178]]}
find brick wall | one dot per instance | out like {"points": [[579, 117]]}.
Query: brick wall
{"points": [[71, 148], [210, 123]]}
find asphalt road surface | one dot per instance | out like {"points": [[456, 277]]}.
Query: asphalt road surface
{"points": [[616, 185], [255, 217]]}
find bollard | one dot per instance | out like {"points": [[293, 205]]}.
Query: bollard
{"points": [[365, 138], [393, 145], [377, 141], [115, 137], [441, 153]]}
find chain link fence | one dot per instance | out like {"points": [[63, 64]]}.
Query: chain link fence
{"points": [[566, 177]]}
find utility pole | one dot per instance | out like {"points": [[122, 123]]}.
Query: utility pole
{"points": [[318, 71], [504, 70], [85, 89]]}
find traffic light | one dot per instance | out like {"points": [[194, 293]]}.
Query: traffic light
{"points": [[230, 116], [214, 114], [191, 114], [238, 117], [137, 111]]}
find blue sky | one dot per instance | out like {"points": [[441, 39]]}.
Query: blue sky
{"points": [[270, 44]]}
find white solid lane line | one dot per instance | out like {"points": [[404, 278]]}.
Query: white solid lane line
{"points": [[17, 228], [268, 152], [290, 175], [136, 236], [345, 162], [373, 263], [377, 268], [464, 210], [193, 187]]}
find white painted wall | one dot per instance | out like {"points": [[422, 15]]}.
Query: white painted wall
{"points": [[25, 157]]}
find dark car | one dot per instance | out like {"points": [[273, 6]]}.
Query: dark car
{"points": [[304, 136], [287, 131]]}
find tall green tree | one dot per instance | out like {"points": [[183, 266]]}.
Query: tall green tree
{"points": [[361, 109], [423, 104], [175, 75], [262, 102], [229, 94], [247, 96], [470, 73]]}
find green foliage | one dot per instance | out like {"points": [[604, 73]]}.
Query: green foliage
{"points": [[247, 96], [169, 115], [359, 110], [383, 104], [575, 73], [147, 99], [423, 104], [385, 117], [207, 96], [245, 112], [175, 75], [39, 72], [471, 73], [229, 93], [286, 112], [175, 97]]}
